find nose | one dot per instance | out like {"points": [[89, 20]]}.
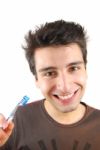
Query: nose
{"points": [[64, 83]]}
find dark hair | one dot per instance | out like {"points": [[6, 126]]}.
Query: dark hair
{"points": [[54, 34]]}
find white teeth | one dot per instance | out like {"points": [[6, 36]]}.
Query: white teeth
{"points": [[65, 97]]}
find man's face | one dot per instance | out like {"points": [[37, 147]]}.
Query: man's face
{"points": [[61, 76]]}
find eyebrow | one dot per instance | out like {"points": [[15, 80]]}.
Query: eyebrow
{"points": [[47, 68], [75, 63], [54, 68]]}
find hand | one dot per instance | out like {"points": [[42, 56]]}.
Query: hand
{"points": [[5, 129]]}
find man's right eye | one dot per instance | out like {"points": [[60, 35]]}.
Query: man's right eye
{"points": [[50, 74]]}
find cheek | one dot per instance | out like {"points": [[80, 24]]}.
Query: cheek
{"points": [[82, 79], [44, 87]]}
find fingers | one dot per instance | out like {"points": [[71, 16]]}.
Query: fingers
{"points": [[5, 130], [8, 128], [2, 120]]}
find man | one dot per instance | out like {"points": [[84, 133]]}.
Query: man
{"points": [[57, 56]]}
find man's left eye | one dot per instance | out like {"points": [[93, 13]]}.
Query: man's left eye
{"points": [[74, 68]]}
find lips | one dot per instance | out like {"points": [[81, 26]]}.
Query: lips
{"points": [[65, 98]]}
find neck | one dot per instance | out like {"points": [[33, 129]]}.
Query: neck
{"points": [[68, 117]]}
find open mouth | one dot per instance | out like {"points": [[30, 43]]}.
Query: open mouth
{"points": [[65, 98]]}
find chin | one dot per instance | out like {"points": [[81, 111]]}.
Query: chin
{"points": [[68, 109]]}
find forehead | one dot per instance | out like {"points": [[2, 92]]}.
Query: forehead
{"points": [[58, 55]]}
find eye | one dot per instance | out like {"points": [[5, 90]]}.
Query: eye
{"points": [[50, 74], [74, 68]]}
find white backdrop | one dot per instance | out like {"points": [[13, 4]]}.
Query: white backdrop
{"points": [[19, 16]]}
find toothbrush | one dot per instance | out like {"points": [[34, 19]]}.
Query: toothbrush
{"points": [[23, 102]]}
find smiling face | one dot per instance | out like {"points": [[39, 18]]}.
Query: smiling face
{"points": [[61, 76]]}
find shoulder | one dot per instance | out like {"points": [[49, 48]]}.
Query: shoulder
{"points": [[92, 111], [92, 116], [30, 108], [90, 107], [36, 103]]}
